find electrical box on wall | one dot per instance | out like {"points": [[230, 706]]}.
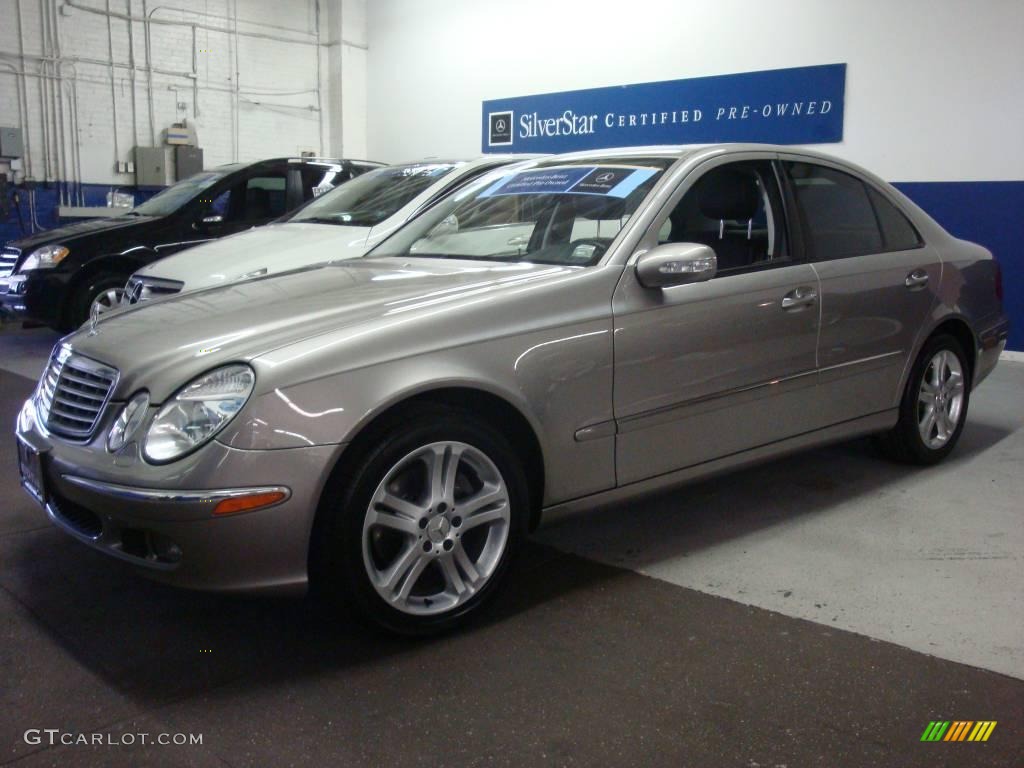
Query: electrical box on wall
{"points": [[150, 167], [187, 161], [10, 142]]}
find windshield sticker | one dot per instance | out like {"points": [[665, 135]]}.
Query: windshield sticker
{"points": [[585, 180]]}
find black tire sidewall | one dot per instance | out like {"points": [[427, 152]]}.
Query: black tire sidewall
{"points": [[921, 453], [340, 562]]}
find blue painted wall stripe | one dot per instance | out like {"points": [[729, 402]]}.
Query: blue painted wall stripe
{"points": [[990, 213]]}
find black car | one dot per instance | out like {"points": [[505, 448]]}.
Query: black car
{"points": [[57, 276]]}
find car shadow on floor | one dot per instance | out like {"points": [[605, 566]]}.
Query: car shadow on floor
{"points": [[730, 506]]}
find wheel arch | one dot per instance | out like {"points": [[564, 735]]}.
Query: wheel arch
{"points": [[114, 262], [497, 410]]}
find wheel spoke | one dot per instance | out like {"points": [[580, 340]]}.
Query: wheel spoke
{"points": [[452, 575], [402, 565], [400, 506], [928, 423], [487, 516], [466, 564], [926, 397], [395, 522], [411, 578], [442, 468], [486, 496]]}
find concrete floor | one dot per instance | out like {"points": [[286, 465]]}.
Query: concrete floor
{"points": [[810, 611]]}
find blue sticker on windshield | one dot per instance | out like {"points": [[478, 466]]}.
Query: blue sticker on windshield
{"points": [[586, 180]]}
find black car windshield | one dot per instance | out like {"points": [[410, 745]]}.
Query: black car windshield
{"points": [[565, 213], [177, 195], [367, 200]]}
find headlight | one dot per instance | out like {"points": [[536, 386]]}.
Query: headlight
{"points": [[47, 257], [198, 412], [127, 422]]}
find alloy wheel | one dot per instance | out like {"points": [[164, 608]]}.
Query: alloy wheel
{"points": [[436, 528], [940, 399]]}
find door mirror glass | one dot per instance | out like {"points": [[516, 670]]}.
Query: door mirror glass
{"points": [[676, 264]]}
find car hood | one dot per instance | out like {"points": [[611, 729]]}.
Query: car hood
{"points": [[76, 232], [162, 344], [275, 248]]}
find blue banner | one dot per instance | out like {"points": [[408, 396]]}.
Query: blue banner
{"points": [[803, 105]]}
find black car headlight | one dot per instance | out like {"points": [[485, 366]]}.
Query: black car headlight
{"points": [[199, 411]]}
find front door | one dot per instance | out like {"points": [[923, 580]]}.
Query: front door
{"points": [[707, 370]]}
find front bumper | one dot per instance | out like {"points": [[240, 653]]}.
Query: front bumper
{"points": [[34, 296], [160, 518]]}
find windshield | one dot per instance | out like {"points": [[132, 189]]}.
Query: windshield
{"points": [[177, 195], [369, 199], [565, 214]]}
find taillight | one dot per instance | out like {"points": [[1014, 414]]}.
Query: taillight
{"points": [[999, 283]]}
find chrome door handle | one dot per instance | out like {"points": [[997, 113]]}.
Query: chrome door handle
{"points": [[804, 296], [916, 279]]}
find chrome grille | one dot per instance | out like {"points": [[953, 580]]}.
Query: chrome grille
{"points": [[73, 393], [8, 259], [145, 288]]}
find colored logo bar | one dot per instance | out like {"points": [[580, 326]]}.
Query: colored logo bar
{"points": [[958, 730]]}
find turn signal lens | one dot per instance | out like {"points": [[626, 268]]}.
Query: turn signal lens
{"points": [[248, 503]]}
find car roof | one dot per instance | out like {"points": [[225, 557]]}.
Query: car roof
{"points": [[680, 151], [232, 167]]}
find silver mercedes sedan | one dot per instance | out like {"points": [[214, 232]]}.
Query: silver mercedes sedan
{"points": [[575, 331]]}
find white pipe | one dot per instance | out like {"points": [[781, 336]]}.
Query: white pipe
{"points": [[149, 70], [131, 62], [113, 86], [24, 94]]}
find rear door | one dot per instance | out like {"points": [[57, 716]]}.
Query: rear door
{"points": [[878, 283]]}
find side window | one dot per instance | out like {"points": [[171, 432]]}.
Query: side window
{"points": [[839, 218], [265, 197], [736, 209], [220, 205], [897, 231]]}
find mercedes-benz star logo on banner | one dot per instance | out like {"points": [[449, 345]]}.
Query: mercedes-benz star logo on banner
{"points": [[604, 178], [499, 129]]}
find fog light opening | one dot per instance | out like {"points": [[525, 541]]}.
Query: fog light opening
{"points": [[248, 502]]}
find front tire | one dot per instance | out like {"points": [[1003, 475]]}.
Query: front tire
{"points": [[934, 405], [419, 535], [104, 290]]}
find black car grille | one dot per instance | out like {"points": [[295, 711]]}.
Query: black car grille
{"points": [[73, 392], [8, 260], [145, 288]]}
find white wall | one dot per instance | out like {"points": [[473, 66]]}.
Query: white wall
{"points": [[933, 86], [277, 110]]}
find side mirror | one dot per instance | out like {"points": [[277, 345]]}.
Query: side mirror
{"points": [[676, 264]]}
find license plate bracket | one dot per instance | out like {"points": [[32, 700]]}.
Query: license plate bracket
{"points": [[30, 467]]}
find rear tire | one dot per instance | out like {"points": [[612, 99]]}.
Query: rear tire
{"points": [[417, 530], [933, 408], [104, 285]]}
